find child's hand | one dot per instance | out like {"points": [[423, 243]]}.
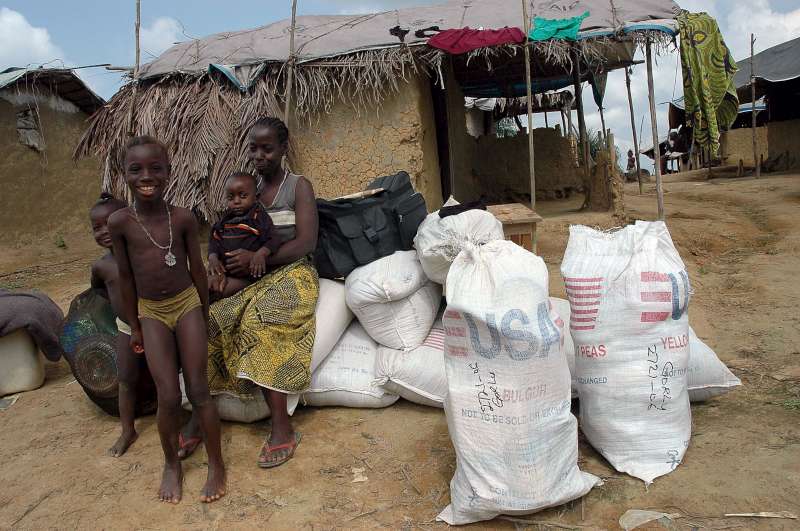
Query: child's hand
{"points": [[215, 267], [137, 342], [258, 265]]}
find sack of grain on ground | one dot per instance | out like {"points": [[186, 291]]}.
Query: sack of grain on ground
{"points": [[508, 401], [629, 296], [347, 376], [416, 375]]}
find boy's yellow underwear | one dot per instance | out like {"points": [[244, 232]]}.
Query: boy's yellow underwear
{"points": [[170, 311]]}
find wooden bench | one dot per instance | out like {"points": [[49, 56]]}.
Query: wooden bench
{"points": [[519, 223]]}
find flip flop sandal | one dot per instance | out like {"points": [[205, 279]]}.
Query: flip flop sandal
{"points": [[188, 445], [268, 450]]}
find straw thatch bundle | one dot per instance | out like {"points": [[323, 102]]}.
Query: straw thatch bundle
{"points": [[203, 120]]}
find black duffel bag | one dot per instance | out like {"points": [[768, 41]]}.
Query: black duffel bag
{"points": [[354, 231]]}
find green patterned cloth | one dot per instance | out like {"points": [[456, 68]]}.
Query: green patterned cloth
{"points": [[708, 69], [264, 334]]}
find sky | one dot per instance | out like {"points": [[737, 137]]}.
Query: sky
{"points": [[86, 32]]}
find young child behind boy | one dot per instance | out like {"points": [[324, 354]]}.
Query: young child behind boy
{"points": [[165, 302], [245, 225], [105, 276]]}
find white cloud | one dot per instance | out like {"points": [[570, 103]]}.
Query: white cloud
{"points": [[758, 17], [22, 44], [160, 35]]}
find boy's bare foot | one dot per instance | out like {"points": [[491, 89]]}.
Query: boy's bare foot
{"points": [[123, 443], [171, 484], [214, 488]]}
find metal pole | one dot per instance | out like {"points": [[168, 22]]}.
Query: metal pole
{"points": [[527, 24], [633, 129], [756, 161], [654, 127], [137, 26], [290, 65]]}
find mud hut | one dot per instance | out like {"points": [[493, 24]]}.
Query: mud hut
{"points": [[43, 113], [370, 96]]}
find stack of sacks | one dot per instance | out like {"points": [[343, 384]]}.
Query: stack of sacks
{"points": [[21, 365], [416, 375], [393, 300], [347, 376], [629, 296], [332, 319], [708, 376], [508, 401], [439, 240]]}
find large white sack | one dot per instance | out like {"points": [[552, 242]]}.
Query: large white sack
{"points": [[508, 402], [439, 240], [21, 365], [708, 376], [332, 319], [247, 408], [394, 301], [416, 375], [629, 295], [347, 377]]}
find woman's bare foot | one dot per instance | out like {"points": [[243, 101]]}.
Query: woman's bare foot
{"points": [[126, 439], [214, 488], [171, 484]]}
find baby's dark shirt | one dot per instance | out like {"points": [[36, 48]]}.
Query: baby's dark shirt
{"points": [[250, 232]]}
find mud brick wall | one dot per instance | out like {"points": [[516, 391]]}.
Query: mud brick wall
{"points": [[784, 136], [343, 151], [42, 193], [737, 144]]}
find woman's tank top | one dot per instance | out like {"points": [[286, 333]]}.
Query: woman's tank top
{"points": [[281, 211]]}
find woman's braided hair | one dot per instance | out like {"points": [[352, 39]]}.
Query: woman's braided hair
{"points": [[276, 124]]}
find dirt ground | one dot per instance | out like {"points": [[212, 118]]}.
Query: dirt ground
{"points": [[739, 239]]}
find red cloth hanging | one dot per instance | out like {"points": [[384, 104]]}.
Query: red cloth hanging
{"points": [[458, 41]]}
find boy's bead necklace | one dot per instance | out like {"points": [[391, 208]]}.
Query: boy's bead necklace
{"points": [[169, 258]]}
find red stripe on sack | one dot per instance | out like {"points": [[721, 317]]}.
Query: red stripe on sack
{"points": [[583, 295], [593, 287], [453, 331], [451, 314], [581, 327], [583, 319], [656, 296], [585, 303], [574, 279], [579, 312], [652, 276], [654, 317], [458, 352]]}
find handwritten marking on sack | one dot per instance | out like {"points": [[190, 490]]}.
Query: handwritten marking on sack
{"points": [[584, 301], [673, 458], [515, 334], [660, 392], [487, 399], [669, 290]]}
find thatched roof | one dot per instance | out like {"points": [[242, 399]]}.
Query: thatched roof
{"points": [[199, 97], [60, 81]]}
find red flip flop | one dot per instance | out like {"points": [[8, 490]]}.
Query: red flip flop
{"points": [[268, 450], [188, 445]]}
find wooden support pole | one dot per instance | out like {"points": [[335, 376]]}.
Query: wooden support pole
{"points": [[564, 130], [633, 130], [137, 28], [527, 26], [756, 160], [290, 65], [583, 140], [546, 124], [654, 127], [602, 122]]}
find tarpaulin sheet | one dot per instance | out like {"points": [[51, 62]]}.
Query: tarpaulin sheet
{"points": [[329, 36]]}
